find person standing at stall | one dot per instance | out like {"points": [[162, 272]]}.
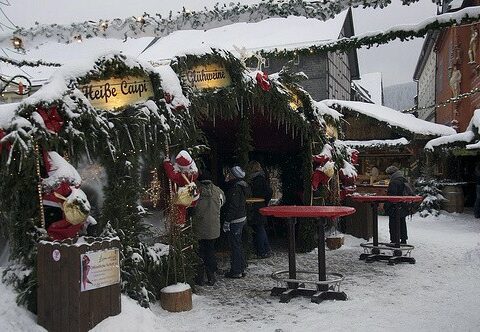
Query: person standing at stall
{"points": [[261, 190], [398, 186], [206, 226], [235, 216]]}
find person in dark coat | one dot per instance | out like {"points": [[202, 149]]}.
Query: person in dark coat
{"points": [[260, 188], [476, 207], [396, 187], [235, 216], [206, 225]]}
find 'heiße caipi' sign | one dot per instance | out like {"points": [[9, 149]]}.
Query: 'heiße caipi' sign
{"points": [[114, 93], [209, 76]]}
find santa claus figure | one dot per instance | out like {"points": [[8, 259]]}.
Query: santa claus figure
{"points": [[183, 174], [66, 208]]}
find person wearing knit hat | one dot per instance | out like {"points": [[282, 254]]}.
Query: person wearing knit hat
{"points": [[391, 169], [237, 172], [235, 217]]}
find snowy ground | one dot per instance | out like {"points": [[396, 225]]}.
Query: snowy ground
{"points": [[440, 292]]}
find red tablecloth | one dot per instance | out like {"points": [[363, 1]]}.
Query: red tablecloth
{"points": [[383, 199], [292, 211]]}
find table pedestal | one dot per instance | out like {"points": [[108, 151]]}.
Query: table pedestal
{"points": [[397, 248], [295, 287]]}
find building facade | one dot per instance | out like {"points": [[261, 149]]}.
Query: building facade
{"points": [[448, 72], [329, 74], [424, 75]]}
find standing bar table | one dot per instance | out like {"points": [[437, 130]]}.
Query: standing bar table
{"points": [[296, 286], [376, 247]]}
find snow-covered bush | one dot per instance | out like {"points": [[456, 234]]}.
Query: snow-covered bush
{"points": [[432, 196]]}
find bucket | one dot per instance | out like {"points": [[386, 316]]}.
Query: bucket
{"points": [[454, 200]]}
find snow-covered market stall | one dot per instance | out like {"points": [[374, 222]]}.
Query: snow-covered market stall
{"points": [[398, 139], [106, 125], [104, 156]]}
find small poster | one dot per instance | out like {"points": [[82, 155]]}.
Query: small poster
{"points": [[99, 269]]}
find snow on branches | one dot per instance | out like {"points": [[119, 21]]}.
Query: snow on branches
{"points": [[158, 26]]}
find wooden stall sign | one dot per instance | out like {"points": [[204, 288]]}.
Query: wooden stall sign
{"points": [[115, 93], [209, 76]]}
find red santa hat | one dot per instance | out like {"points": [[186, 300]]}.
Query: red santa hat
{"points": [[184, 161]]}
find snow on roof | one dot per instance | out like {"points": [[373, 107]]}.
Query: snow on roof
{"points": [[372, 82], [466, 137], [394, 118], [377, 143], [364, 93], [275, 33], [323, 109], [74, 54]]}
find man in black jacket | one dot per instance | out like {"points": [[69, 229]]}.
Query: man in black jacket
{"points": [[235, 215], [396, 187]]}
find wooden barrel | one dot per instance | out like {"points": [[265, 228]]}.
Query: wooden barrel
{"points": [[454, 199]]}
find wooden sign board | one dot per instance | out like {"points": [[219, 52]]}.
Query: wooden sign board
{"points": [[114, 93], [99, 269], [209, 76]]}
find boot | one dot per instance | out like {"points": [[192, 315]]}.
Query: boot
{"points": [[211, 278]]}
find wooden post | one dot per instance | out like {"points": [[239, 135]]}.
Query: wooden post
{"points": [[176, 298], [61, 305]]}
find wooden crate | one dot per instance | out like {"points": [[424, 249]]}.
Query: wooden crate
{"points": [[61, 304]]}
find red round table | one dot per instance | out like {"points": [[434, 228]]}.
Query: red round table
{"points": [[374, 202], [292, 212]]}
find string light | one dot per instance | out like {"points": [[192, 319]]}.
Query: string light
{"points": [[155, 191], [39, 185], [141, 20], [444, 103], [17, 43]]}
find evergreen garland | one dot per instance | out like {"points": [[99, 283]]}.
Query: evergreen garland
{"points": [[19, 203], [158, 26]]}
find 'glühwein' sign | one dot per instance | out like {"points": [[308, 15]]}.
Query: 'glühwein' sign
{"points": [[117, 92], [99, 269], [208, 76]]}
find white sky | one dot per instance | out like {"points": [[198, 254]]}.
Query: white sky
{"points": [[396, 60]]}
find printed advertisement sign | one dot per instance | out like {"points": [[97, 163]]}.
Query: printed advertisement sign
{"points": [[117, 92], [99, 269], [208, 76]]}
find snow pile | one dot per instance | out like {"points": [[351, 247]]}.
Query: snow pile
{"points": [[177, 288], [7, 113], [377, 143], [60, 171], [466, 137], [432, 294], [393, 118]]}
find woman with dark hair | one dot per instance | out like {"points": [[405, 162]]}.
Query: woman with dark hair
{"points": [[262, 191]]}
